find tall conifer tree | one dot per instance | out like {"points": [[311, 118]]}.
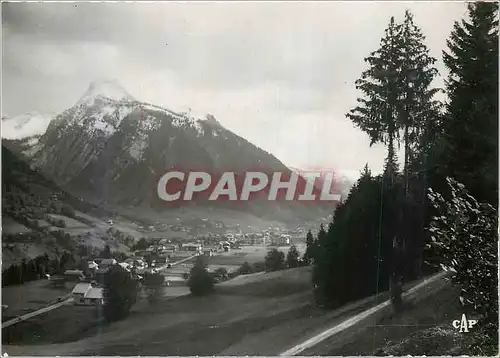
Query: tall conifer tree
{"points": [[470, 153]]}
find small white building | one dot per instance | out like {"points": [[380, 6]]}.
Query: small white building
{"points": [[192, 247], [125, 265], [94, 297], [107, 263], [281, 240], [79, 292]]}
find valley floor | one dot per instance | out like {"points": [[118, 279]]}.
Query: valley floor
{"points": [[260, 314]]}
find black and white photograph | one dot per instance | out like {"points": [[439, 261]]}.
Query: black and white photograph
{"points": [[249, 178]]}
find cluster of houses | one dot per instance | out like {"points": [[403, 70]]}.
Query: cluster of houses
{"points": [[88, 291], [163, 250], [96, 268], [84, 294]]}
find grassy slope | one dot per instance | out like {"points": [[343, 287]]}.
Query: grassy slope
{"points": [[29, 296], [424, 328]]}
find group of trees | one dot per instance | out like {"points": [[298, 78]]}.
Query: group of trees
{"points": [[389, 229], [275, 260], [126, 239], [141, 244], [36, 269]]}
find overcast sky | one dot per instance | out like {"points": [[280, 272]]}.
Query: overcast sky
{"points": [[279, 74]]}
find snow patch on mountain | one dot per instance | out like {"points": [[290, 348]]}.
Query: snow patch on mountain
{"points": [[137, 148], [179, 120], [108, 117], [101, 124], [103, 118], [147, 124], [26, 125]]}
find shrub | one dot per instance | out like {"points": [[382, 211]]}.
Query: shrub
{"points": [[259, 266], [55, 207], [464, 237], [245, 269], [221, 274], [68, 211]]}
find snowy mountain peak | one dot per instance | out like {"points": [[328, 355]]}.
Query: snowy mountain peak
{"points": [[107, 88]]}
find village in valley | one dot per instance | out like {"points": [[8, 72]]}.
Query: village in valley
{"points": [[165, 249], [163, 254]]}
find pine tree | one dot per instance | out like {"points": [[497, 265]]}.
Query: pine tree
{"points": [[292, 257], [376, 112], [470, 145], [464, 229], [310, 246], [419, 110], [398, 98], [274, 260]]}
